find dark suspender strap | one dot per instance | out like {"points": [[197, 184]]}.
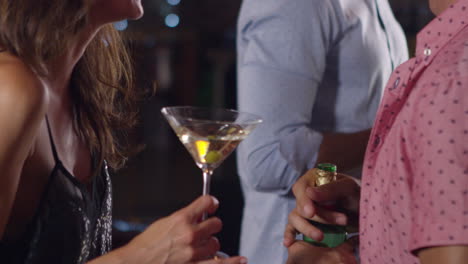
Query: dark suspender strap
{"points": [[52, 144]]}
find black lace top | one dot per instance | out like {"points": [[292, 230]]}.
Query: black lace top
{"points": [[72, 223]]}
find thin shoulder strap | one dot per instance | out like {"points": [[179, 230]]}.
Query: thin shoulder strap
{"points": [[52, 144]]}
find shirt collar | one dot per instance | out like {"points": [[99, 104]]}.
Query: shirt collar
{"points": [[441, 30]]}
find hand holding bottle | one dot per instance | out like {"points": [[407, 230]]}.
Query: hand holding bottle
{"points": [[311, 204]]}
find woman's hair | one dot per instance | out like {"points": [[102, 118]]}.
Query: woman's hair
{"points": [[102, 82]]}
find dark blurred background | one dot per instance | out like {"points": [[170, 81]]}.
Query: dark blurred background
{"points": [[187, 48]]}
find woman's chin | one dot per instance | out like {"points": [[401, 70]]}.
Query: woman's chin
{"points": [[137, 12], [137, 15]]}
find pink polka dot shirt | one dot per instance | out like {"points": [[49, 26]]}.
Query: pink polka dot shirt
{"points": [[415, 180]]}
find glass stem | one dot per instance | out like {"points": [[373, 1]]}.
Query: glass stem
{"points": [[206, 186]]}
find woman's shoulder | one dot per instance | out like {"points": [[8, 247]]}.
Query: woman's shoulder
{"points": [[20, 87]]}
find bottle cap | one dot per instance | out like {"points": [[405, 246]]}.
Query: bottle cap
{"points": [[325, 173]]}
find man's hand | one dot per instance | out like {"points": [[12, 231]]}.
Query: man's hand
{"points": [[309, 200], [304, 253]]}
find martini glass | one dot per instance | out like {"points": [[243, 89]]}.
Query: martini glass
{"points": [[209, 135]]}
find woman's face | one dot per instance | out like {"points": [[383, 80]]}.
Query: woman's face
{"points": [[107, 11]]}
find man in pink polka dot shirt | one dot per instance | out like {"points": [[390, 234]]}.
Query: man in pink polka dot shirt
{"points": [[414, 193]]}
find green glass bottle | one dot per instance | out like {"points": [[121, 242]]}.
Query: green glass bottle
{"points": [[334, 235]]}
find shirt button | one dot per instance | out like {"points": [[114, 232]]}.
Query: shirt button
{"points": [[427, 52]]}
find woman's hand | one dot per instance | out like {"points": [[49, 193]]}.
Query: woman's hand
{"points": [[303, 253], [310, 204], [180, 238]]}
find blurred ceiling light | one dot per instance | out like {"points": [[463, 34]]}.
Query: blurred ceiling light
{"points": [[172, 20], [121, 25], [173, 2]]}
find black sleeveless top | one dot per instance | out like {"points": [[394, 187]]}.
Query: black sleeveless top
{"points": [[72, 224]]}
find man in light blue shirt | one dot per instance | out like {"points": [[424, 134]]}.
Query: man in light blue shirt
{"points": [[314, 70]]}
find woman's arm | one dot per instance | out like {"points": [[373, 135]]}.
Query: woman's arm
{"points": [[22, 107]]}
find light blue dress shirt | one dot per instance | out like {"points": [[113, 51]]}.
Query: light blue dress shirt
{"points": [[305, 66]]}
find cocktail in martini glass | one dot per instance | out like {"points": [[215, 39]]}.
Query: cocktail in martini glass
{"points": [[210, 135]]}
